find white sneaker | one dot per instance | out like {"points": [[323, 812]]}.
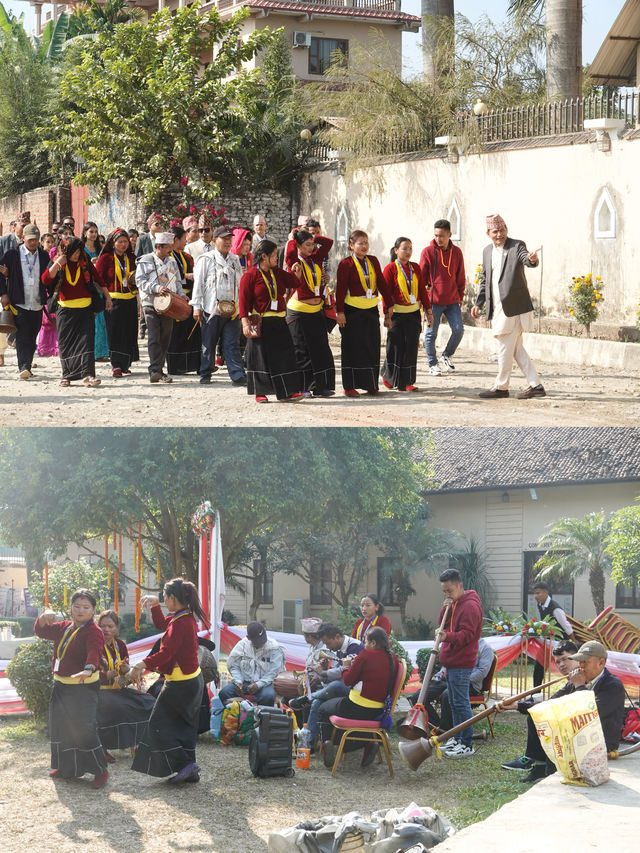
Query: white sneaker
{"points": [[434, 370], [446, 364], [450, 743], [460, 751]]}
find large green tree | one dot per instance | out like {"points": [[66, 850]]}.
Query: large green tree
{"points": [[139, 104], [624, 545], [577, 546], [73, 484]]}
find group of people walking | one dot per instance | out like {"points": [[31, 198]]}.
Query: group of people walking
{"points": [[205, 296]]}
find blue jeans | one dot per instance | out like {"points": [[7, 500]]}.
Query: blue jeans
{"points": [[458, 689], [332, 690], [454, 318], [227, 331], [265, 696]]}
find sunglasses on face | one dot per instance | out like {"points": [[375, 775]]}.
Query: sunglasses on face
{"points": [[204, 230]]}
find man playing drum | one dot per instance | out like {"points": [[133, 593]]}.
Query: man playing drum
{"points": [[157, 274]]}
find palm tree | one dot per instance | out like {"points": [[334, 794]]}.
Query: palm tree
{"points": [[563, 25], [472, 564], [89, 17], [435, 14], [575, 546]]}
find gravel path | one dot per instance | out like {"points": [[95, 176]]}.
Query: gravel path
{"points": [[577, 395]]}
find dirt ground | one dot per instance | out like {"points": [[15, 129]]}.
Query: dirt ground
{"points": [[229, 810], [577, 396]]}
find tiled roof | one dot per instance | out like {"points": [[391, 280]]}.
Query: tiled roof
{"points": [[338, 11], [468, 459]]}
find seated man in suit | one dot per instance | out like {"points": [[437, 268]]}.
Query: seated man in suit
{"points": [[593, 675], [504, 289]]}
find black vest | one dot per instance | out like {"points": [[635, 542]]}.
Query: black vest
{"points": [[548, 611]]}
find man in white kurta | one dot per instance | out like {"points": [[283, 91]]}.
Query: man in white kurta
{"points": [[504, 289]]}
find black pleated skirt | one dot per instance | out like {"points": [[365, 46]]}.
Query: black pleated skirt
{"points": [[361, 348], [313, 353], [76, 333], [123, 716], [399, 368], [75, 745], [183, 355], [122, 333], [271, 361], [169, 742]]}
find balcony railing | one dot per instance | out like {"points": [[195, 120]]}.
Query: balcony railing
{"points": [[378, 5], [554, 118]]}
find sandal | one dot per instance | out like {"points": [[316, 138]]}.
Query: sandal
{"points": [[64, 383], [91, 382]]}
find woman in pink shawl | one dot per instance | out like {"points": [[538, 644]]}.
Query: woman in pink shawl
{"points": [[241, 246]]}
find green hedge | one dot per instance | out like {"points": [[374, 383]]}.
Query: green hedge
{"points": [[15, 626], [30, 674]]}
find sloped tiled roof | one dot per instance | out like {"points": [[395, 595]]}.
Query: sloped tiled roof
{"points": [[338, 11], [468, 459]]}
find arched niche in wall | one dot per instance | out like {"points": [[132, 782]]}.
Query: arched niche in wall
{"points": [[342, 229], [455, 218], [605, 218]]}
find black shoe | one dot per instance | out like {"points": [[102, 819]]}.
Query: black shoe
{"points": [[522, 763], [239, 383], [369, 754], [493, 393], [537, 772], [299, 703], [205, 380], [329, 750]]}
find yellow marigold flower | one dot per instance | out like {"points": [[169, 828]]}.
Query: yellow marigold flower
{"points": [[598, 278], [593, 304]]}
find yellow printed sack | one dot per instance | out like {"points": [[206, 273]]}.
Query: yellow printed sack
{"points": [[571, 735]]}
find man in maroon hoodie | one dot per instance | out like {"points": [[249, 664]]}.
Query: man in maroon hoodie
{"points": [[442, 267], [458, 652]]}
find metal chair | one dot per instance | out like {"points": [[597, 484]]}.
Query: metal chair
{"points": [[355, 729], [480, 702]]}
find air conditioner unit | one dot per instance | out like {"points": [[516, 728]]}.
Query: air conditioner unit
{"points": [[301, 39], [293, 610]]}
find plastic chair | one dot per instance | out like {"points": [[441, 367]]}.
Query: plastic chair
{"points": [[355, 729], [480, 702]]}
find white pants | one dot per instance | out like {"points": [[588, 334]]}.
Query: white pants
{"points": [[510, 347]]}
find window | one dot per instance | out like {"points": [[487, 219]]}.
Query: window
{"points": [[320, 585], [627, 597], [264, 578], [561, 589], [455, 219], [604, 219], [388, 571], [321, 53]]}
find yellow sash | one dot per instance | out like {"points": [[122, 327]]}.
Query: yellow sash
{"points": [[361, 274], [403, 284], [118, 270], [305, 307], [177, 674], [307, 268], [66, 679], [358, 699]]}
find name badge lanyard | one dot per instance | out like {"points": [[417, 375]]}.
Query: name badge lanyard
{"points": [[409, 280], [310, 274], [65, 642], [31, 267], [273, 292], [366, 274]]}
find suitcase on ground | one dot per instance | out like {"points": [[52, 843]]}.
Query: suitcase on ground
{"points": [[271, 743]]}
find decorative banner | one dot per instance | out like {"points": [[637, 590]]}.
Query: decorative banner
{"points": [[203, 519], [46, 584], [107, 565], [211, 582]]}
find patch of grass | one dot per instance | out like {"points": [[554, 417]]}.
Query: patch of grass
{"points": [[14, 729]]}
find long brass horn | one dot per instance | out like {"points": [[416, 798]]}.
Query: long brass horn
{"points": [[414, 753], [416, 724]]}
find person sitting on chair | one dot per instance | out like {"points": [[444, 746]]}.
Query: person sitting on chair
{"points": [[253, 663], [332, 686], [374, 670]]}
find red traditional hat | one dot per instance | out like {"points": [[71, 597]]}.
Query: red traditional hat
{"points": [[495, 221]]}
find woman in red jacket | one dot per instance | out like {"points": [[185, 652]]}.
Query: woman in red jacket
{"points": [[373, 616], [116, 266], [122, 713], [305, 313], [73, 275], [359, 282], [270, 357], [169, 743], [406, 285], [77, 647], [376, 667]]}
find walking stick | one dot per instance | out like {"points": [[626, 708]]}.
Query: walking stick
{"points": [[415, 753], [197, 323], [415, 724]]}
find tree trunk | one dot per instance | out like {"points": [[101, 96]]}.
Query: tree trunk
{"points": [[596, 583], [434, 13], [563, 24]]}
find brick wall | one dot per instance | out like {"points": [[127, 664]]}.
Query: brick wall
{"points": [[125, 209], [46, 204]]}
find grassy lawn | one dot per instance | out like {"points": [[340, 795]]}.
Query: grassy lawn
{"points": [[230, 810]]}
